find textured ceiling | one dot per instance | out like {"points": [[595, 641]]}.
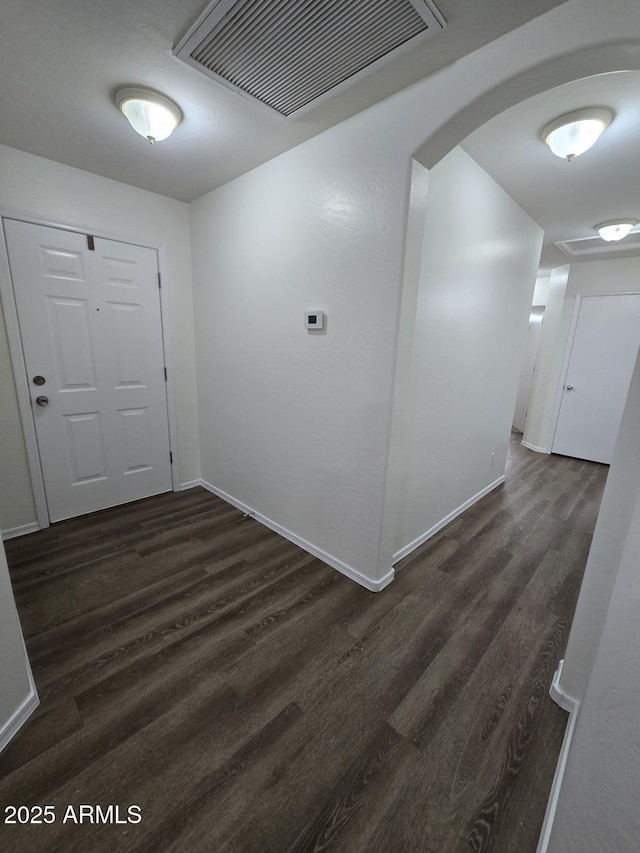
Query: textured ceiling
{"points": [[567, 199], [60, 63]]}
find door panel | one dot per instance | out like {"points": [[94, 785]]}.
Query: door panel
{"points": [[137, 439], [126, 328], [602, 359], [119, 272], [62, 264], [69, 325], [85, 447], [91, 325]]}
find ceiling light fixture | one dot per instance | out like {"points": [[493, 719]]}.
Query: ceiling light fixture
{"points": [[150, 114], [616, 229], [574, 133]]}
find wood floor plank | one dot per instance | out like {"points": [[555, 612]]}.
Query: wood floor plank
{"points": [[180, 817], [207, 614], [252, 700], [480, 831], [46, 729], [425, 707], [59, 771], [336, 818], [517, 824], [93, 623], [416, 569]]}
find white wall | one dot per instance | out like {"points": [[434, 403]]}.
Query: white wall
{"points": [[599, 805], [51, 190], [16, 500], [477, 279], [527, 367], [402, 404], [17, 693], [538, 431], [529, 362], [541, 292], [297, 426], [621, 275], [588, 278]]}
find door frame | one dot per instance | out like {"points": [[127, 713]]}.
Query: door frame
{"points": [[566, 359], [19, 368]]}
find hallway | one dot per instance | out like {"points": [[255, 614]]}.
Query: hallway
{"points": [[249, 698]]}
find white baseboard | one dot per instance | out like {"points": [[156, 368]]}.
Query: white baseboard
{"points": [[566, 702], [190, 484], [407, 549], [571, 705], [334, 562], [21, 714], [534, 447], [22, 530]]}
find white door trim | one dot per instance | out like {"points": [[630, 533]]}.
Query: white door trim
{"points": [[17, 358], [573, 325]]}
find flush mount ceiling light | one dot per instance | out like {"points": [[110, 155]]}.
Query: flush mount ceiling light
{"points": [[574, 133], [616, 229], [150, 114]]}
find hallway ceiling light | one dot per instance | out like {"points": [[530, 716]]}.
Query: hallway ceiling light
{"points": [[616, 229], [150, 114], [574, 133]]}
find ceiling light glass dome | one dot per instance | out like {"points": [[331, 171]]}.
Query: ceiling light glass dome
{"points": [[616, 229], [150, 114], [574, 133]]}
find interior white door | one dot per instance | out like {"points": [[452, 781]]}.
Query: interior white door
{"points": [[603, 355], [91, 327]]}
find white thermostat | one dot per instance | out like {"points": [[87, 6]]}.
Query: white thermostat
{"points": [[314, 319]]}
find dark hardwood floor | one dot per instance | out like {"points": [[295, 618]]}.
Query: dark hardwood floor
{"points": [[249, 698]]}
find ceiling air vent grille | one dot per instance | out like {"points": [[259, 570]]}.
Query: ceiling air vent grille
{"points": [[598, 246], [287, 54]]}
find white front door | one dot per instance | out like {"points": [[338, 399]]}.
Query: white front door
{"points": [[91, 333], [603, 355]]}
